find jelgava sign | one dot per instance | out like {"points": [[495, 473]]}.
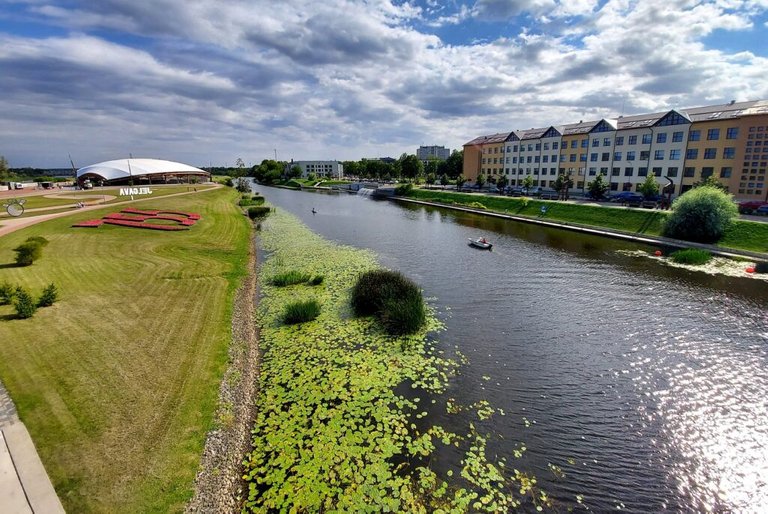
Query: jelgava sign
{"points": [[130, 191]]}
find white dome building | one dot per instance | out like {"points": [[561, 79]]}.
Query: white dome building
{"points": [[140, 171]]}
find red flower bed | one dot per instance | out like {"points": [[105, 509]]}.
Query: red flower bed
{"points": [[141, 219]]}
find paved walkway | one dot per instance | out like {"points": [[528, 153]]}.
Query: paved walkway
{"points": [[24, 485]]}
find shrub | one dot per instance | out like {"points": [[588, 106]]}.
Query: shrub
{"points": [[702, 214], [38, 239], [476, 205], [392, 297], [258, 211], [49, 296], [403, 189], [24, 304], [28, 252], [257, 200], [316, 280], [7, 291], [692, 256], [289, 278], [229, 182], [300, 312]]}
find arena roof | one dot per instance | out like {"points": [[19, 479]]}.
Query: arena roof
{"points": [[122, 169]]}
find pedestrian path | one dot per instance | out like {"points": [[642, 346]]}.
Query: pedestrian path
{"points": [[24, 485]]}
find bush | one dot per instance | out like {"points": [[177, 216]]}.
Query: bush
{"points": [[28, 252], [229, 182], [24, 304], [257, 200], [316, 280], [289, 278], [38, 239], [403, 189], [692, 256], [392, 297], [258, 211], [49, 296], [7, 291], [300, 312], [702, 214]]}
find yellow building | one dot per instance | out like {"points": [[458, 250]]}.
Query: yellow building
{"points": [[485, 156]]}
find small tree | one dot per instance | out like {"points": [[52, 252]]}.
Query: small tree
{"points": [[49, 296], [480, 181], [28, 252], [242, 185], [701, 215], [430, 179], [598, 187], [7, 291], [649, 187], [4, 173], [460, 181], [502, 182], [527, 183], [294, 171], [443, 180], [24, 304]]}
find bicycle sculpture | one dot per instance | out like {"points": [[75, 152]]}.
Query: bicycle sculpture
{"points": [[15, 207]]}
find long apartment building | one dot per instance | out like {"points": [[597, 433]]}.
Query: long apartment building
{"points": [[680, 147]]}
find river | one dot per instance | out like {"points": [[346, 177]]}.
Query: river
{"points": [[646, 384]]}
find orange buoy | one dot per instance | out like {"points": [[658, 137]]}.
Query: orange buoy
{"points": [[657, 253], [750, 270]]}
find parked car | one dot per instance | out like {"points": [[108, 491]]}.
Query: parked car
{"points": [[762, 210], [751, 206], [627, 197]]}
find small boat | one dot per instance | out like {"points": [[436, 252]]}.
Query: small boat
{"points": [[480, 243]]}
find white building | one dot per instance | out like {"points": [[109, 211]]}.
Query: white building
{"points": [[327, 169]]}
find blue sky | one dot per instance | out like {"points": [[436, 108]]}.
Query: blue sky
{"points": [[205, 81]]}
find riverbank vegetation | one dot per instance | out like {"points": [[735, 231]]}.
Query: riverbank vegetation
{"points": [[692, 256], [392, 297], [117, 381], [703, 215], [343, 418], [741, 234]]}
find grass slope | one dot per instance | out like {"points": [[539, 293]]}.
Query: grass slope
{"points": [[117, 382], [743, 235]]}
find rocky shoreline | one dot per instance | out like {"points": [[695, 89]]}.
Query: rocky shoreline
{"points": [[219, 487]]}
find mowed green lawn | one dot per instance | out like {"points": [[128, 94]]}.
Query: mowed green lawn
{"points": [[118, 381]]}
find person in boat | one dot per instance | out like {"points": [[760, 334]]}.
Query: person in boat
{"points": [[482, 240]]}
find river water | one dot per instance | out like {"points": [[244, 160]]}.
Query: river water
{"points": [[646, 384]]}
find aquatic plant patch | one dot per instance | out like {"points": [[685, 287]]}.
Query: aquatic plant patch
{"points": [[334, 431], [150, 219]]}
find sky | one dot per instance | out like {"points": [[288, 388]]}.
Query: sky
{"points": [[210, 81]]}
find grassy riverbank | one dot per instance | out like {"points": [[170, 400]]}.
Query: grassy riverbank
{"points": [[117, 382], [743, 235], [335, 431]]}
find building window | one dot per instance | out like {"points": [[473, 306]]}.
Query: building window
{"points": [[672, 171], [583, 157], [645, 155], [605, 157], [710, 153], [606, 141], [596, 142], [545, 158], [628, 172], [689, 172], [593, 157], [554, 145], [592, 172], [616, 156], [713, 134], [615, 172], [535, 158], [546, 146], [574, 143], [585, 143], [732, 133], [658, 155], [725, 172], [642, 172], [572, 157], [707, 172], [657, 171], [677, 137], [674, 155], [647, 139], [631, 155], [530, 147], [729, 152], [692, 153], [632, 140], [514, 148], [661, 137], [619, 140], [694, 135], [604, 171]]}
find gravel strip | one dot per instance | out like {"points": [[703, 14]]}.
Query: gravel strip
{"points": [[219, 487]]}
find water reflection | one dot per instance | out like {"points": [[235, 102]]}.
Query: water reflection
{"points": [[645, 383]]}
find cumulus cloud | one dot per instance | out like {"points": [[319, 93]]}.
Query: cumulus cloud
{"points": [[206, 81]]}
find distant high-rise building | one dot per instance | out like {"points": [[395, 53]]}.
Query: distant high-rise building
{"points": [[425, 153]]}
